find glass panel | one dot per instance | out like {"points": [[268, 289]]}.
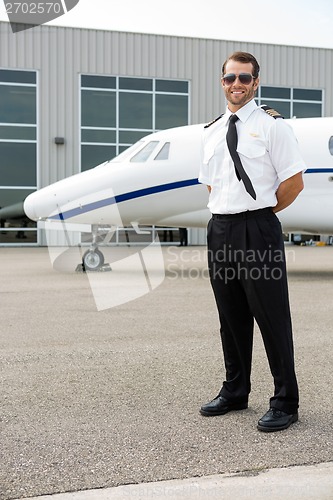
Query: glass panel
{"points": [[17, 236], [135, 110], [136, 83], [171, 111], [17, 164], [91, 156], [132, 136], [169, 234], [102, 82], [164, 153], [17, 76], [282, 107], [17, 104], [123, 148], [126, 151], [307, 94], [306, 110], [24, 133], [98, 108], [275, 92], [145, 152], [98, 135], [171, 86], [330, 145], [10, 228], [11, 196]]}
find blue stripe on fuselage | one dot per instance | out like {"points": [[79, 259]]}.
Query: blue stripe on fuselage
{"points": [[125, 197], [319, 171]]}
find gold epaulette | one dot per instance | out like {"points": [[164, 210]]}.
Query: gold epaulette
{"points": [[271, 112], [213, 121]]}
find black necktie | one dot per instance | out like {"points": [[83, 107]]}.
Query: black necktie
{"points": [[232, 140]]}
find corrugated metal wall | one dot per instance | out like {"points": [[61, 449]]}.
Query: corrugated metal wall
{"points": [[61, 54]]}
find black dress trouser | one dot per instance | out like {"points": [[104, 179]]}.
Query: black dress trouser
{"points": [[246, 260]]}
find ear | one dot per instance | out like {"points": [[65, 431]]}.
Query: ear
{"points": [[256, 83]]}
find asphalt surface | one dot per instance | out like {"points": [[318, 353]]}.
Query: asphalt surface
{"points": [[96, 399]]}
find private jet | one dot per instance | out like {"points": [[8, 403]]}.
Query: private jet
{"points": [[155, 182]]}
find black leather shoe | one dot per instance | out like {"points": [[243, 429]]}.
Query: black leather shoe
{"points": [[276, 420], [221, 406]]}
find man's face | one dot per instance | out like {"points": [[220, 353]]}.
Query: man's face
{"points": [[238, 94]]}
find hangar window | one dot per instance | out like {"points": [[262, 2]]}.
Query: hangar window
{"points": [[330, 145], [275, 92], [118, 111], [18, 104], [96, 155], [292, 102], [131, 136], [98, 108], [18, 151], [18, 163], [178, 86], [15, 76], [171, 109], [135, 83], [135, 110], [101, 82]]}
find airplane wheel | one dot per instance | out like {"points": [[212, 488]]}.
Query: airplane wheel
{"points": [[92, 260]]}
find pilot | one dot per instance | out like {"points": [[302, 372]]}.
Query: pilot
{"points": [[253, 168]]}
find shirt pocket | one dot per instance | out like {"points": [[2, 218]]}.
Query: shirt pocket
{"points": [[210, 166], [252, 157], [208, 155]]}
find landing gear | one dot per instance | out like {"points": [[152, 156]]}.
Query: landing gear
{"points": [[92, 260]]}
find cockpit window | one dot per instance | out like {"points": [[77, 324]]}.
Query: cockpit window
{"points": [[145, 152], [128, 152], [330, 145], [163, 154]]}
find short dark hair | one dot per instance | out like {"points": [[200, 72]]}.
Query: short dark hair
{"points": [[243, 57]]}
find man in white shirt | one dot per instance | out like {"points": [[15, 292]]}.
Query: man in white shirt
{"points": [[253, 168]]}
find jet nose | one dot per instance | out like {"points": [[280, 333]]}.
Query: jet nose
{"points": [[29, 207]]}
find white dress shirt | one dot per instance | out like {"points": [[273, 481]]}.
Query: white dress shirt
{"points": [[269, 153]]}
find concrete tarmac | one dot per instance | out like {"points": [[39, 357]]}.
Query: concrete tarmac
{"points": [[104, 402]]}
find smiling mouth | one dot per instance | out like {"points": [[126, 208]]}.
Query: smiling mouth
{"points": [[237, 92]]}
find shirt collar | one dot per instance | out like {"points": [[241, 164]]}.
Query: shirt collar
{"points": [[244, 112]]}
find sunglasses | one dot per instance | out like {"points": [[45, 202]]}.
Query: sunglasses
{"points": [[244, 78]]}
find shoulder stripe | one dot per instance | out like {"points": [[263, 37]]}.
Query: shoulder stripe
{"points": [[271, 112], [213, 121]]}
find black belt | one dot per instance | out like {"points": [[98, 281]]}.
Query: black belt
{"points": [[243, 215]]}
